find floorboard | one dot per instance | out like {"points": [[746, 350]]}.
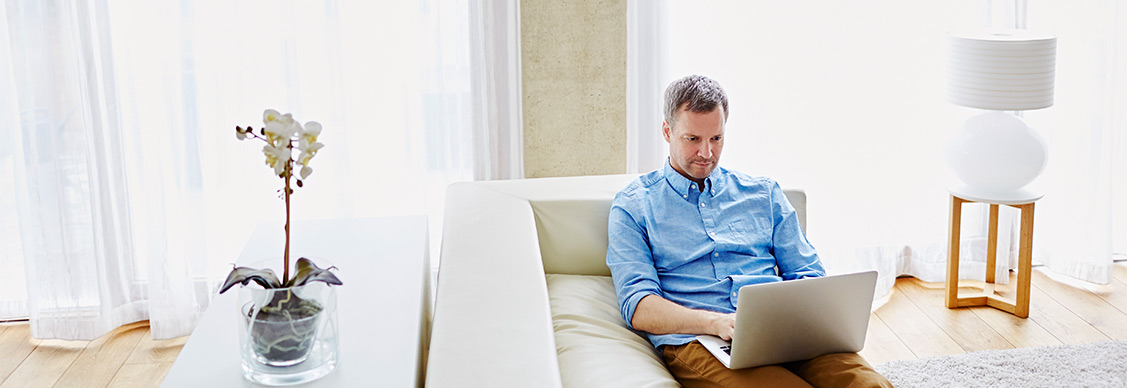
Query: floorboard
{"points": [[882, 345], [140, 375], [102, 358], [922, 336], [1021, 333], [45, 364], [965, 327], [15, 344], [1115, 294], [149, 350], [1059, 321], [1086, 305]]}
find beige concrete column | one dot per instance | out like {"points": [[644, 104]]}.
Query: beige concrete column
{"points": [[573, 81]]}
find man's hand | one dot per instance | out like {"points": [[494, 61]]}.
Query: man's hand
{"points": [[723, 326], [657, 315]]}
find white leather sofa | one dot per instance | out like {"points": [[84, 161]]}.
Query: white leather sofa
{"points": [[524, 295]]}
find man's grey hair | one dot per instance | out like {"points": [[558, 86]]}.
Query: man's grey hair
{"points": [[697, 93]]}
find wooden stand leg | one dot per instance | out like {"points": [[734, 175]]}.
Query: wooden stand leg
{"points": [[952, 300], [1025, 261], [992, 244]]}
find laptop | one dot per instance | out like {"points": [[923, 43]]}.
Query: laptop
{"points": [[797, 320]]}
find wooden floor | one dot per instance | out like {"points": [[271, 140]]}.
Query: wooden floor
{"points": [[912, 324], [915, 324], [127, 357]]}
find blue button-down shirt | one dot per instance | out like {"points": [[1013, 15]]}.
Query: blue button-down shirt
{"points": [[698, 246]]}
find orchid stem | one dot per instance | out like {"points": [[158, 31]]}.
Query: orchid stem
{"points": [[286, 257]]}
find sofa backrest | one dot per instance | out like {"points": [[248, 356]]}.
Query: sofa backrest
{"points": [[571, 215]]}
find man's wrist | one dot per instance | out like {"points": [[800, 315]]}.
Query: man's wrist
{"points": [[715, 323]]}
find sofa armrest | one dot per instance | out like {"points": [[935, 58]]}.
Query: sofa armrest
{"points": [[492, 324]]}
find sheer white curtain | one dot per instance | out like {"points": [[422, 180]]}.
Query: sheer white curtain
{"points": [[120, 160], [847, 101], [1082, 221], [645, 79], [495, 75], [60, 109]]}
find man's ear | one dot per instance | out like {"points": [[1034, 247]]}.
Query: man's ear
{"points": [[665, 130]]}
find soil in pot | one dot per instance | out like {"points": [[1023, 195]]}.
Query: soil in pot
{"points": [[283, 332]]}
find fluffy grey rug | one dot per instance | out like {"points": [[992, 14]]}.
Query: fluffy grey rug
{"points": [[1101, 364]]}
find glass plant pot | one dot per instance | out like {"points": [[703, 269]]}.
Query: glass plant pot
{"points": [[288, 335]]}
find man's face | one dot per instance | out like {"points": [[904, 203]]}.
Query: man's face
{"points": [[695, 142]]}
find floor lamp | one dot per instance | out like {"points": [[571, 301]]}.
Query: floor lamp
{"points": [[997, 154]]}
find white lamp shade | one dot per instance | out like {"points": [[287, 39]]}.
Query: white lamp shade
{"points": [[1001, 69]]}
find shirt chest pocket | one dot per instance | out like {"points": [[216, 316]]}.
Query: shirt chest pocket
{"points": [[751, 227]]}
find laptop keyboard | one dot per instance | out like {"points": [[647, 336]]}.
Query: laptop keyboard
{"points": [[727, 349]]}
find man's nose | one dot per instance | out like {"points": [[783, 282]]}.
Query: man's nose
{"points": [[705, 150]]}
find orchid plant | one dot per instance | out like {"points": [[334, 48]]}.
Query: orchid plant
{"points": [[282, 134]]}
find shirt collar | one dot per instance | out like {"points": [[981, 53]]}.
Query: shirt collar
{"points": [[682, 185]]}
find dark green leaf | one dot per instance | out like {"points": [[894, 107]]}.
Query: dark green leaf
{"points": [[244, 275], [309, 272]]}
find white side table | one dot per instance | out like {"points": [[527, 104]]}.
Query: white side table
{"points": [[1022, 200], [384, 305]]}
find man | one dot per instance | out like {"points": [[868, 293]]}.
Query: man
{"points": [[685, 238]]}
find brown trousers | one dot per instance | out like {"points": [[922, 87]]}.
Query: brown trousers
{"points": [[694, 366]]}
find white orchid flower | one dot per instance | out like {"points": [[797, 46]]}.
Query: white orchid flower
{"points": [[279, 126], [277, 157], [286, 119], [280, 131], [311, 131], [275, 132], [308, 152], [270, 115], [307, 141]]}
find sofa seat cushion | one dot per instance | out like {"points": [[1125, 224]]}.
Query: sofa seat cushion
{"points": [[594, 346]]}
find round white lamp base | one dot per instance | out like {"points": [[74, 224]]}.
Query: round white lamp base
{"points": [[996, 155]]}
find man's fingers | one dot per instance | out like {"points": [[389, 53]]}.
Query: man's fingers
{"points": [[729, 330]]}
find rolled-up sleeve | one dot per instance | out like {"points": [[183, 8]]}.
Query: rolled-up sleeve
{"points": [[794, 255], [630, 260]]}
